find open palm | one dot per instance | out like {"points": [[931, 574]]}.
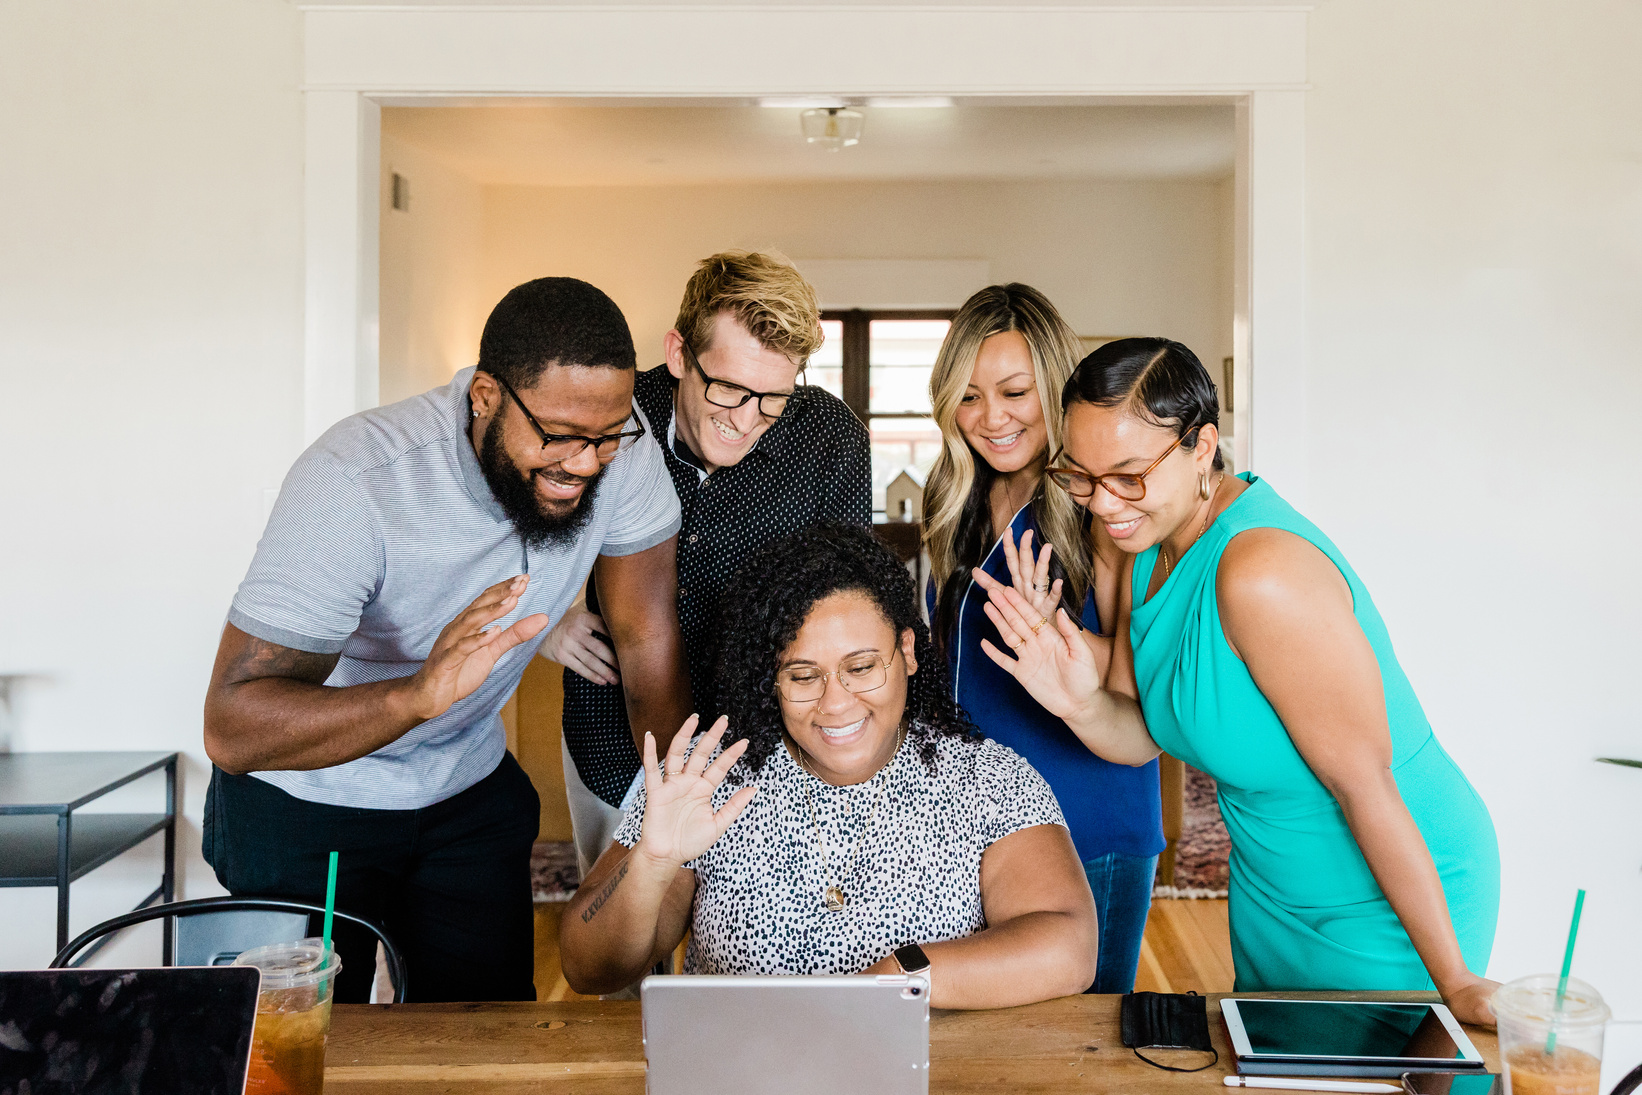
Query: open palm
{"points": [[679, 821], [1051, 659], [469, 647]]}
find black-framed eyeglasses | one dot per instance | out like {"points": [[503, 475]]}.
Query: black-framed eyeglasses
{"points": [[568, 446], [722, 393], [1127, 486]]}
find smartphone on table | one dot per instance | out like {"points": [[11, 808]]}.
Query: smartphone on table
{"points": [[1453, 1083]]}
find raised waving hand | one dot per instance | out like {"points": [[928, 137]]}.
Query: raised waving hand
{"points": [[1051, 660], [1029, 573], [1060, 666], [679, 820], [468, 648]]}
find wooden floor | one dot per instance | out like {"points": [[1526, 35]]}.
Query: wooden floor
{"points": [[1186, 948]]}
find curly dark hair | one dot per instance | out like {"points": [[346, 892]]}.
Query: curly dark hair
{"points": [[775, 589]]}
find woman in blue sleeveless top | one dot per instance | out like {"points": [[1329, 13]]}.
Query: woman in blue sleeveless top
{"points": [[1361, 856], [994, 390]]}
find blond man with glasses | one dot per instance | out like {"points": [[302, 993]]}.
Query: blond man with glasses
{"points": [[754, 454]]}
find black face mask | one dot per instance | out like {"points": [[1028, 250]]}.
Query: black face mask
{"points": [[515, 491], [1166, 1020]]}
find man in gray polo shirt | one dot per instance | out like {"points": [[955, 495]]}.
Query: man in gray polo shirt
{"points": [[411, 564]]}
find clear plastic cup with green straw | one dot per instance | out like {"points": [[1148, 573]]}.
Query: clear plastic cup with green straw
{"points": [[293, 1009], [293, 1017], [1529, 1019], [1551, 1028]]}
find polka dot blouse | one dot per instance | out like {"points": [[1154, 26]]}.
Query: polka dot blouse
{"points": [[759, 906]]}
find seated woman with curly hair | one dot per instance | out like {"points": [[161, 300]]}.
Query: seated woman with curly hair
{"points": [[861, 812]]}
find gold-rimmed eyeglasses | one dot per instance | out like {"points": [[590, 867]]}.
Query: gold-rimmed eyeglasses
{"points": [[1125, 485], [860, 673]]}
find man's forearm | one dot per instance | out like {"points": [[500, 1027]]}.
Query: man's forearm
{"points": [[279, 724], [656, 684], [268, 709], [638, 598]]}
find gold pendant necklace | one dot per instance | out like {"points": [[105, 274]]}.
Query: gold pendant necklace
{"points": [[832, 893], [1212, 495]]}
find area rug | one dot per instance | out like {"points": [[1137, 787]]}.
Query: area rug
{"points": [[1203, 852], [553, 872]]}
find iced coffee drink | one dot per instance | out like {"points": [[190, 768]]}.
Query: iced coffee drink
{"points": [[293, 1017], [1546, 1050]]}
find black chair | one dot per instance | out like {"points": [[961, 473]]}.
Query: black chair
{"points": [[216, 906]]}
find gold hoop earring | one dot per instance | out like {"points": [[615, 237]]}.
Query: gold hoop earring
{"points": [[1203, 485]]}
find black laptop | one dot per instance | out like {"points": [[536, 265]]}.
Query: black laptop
{"points": [[131, 1032]]}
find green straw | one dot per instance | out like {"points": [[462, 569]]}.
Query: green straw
{"points": [[330, 907], [1567, 964]]}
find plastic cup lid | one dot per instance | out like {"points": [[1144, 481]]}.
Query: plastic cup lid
{"points": [[291, 965], [1533, 1000]]}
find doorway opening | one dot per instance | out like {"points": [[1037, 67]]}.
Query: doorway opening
{"points": [[1123, 214]]}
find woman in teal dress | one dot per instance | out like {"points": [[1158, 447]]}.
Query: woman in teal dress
{"points": [[1248, 647]]}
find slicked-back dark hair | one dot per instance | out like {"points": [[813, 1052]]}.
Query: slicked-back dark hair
{"points": [[776, 588], [554, 321], [1158, 379]]}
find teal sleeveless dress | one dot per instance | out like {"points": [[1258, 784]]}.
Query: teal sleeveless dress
{"points": [[1305, 911]]}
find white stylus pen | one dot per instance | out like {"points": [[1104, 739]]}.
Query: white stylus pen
{"points": [[1311, 1085]]}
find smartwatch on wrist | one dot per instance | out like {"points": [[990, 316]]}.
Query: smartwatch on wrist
{"points": [[913, 961]]}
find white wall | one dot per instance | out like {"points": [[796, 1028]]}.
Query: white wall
{"points": [[431, 310], [151, 365], [1115, 257], [1474, 213], [1473, 220]]}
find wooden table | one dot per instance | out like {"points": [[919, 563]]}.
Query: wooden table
{"points": [[509, 1049]]}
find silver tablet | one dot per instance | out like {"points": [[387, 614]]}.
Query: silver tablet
{"points": [[796, 1035], [1345, 1037]]}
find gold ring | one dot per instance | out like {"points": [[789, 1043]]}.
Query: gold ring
{"points": [[1039, 624], [1018, 643]]}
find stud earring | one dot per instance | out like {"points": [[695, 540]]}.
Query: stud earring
{"points": [[475, 414]]}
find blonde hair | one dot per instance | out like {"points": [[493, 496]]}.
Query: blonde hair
{"points": [[955, 498], [766, 294]]}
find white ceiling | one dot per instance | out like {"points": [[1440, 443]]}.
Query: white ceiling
{"points": [[578, 144]]}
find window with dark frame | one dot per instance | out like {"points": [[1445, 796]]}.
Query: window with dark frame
{"points": [[878, 362]]}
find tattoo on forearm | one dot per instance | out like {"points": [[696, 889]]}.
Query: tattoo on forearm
{"points": [[258, 659], [604, 894]]}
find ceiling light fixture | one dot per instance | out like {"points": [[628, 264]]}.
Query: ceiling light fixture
{"points": [[801, 102], [832, 127], [924, 102]]}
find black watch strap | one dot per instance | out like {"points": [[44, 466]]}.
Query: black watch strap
{"points": [[912, 959]]}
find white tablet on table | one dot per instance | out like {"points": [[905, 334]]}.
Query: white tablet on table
{"points": [[795, 1035], [1275, 1037]]}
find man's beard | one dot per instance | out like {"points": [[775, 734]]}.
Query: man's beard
{"points": [[515, 490]]}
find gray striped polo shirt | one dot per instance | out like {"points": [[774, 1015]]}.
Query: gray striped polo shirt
{"points": [[383, 532]]}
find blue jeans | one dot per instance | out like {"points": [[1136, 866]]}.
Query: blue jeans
{"points": [[1122, 885]]}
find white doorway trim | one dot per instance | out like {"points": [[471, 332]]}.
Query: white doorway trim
{"points": [[359, 56]]}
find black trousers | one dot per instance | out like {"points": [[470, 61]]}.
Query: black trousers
{"points": [[450, 883]]}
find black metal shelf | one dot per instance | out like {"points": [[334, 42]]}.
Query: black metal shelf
{"points": [[45, 841], [28, 844]]}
